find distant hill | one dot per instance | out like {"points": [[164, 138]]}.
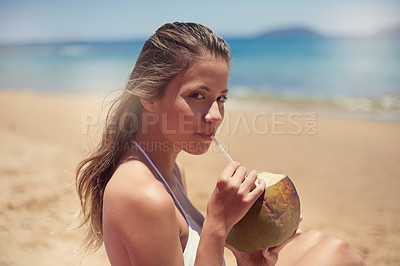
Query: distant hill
{"points": [[289, 33], [393, 32]]}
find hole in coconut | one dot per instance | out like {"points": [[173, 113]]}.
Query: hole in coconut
{"points": [[270, 178]]}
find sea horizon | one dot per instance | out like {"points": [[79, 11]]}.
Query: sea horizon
{"points": [[357, 74]]}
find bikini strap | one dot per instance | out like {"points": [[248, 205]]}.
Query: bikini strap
{"points": [[162, 178]]}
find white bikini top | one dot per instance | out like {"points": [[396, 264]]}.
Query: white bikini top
{"points": [[189, 254]]}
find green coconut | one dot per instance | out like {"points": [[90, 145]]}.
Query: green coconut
{"points": [[272, 219]]}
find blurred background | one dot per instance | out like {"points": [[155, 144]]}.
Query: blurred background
{"points": [[314, 92], [345, 53]]}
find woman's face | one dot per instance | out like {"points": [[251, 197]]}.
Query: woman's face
{"points": [[192, 107]]}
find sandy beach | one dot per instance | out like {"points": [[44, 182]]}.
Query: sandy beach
{"points": [[346, 171]]}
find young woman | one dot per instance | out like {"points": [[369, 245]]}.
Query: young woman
{"points": [[131, 188]]}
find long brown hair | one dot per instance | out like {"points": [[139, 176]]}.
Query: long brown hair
{"points": [[172, 48]]}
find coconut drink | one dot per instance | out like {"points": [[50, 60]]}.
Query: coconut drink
{"points": [[273, 218]]}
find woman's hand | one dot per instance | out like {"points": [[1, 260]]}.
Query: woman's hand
{"points": [[266, 257], [235, 193]]}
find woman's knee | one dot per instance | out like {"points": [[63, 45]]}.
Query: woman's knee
{"points": [[341, 247], [316, 247], [308, 240]]}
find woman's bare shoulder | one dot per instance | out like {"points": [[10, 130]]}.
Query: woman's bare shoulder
{"points": [[137, 210], [133, 189]]}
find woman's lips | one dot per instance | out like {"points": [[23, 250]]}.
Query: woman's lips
{"points": [[206, 135]]}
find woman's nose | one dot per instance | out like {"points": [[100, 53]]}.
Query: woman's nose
{"points": [[214, 114]]}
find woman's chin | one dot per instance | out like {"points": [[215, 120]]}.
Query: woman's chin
{"points": [[197, 148]]}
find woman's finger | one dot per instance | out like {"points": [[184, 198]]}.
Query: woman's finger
{"points": [[226, 175], [239, 176], [270, 257], [258, 190], [230, 169], [249, 182]]}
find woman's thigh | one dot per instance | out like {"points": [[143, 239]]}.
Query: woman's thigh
{"points": [[295, 250], [318, 248]]}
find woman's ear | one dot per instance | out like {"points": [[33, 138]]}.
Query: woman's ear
{"points": [[149, 105]]}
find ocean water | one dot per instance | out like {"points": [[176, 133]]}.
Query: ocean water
{"points": [[327, 70], [73, 67]]}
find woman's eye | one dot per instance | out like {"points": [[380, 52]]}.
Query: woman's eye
{"points": [[197, 95], [222, 99]]}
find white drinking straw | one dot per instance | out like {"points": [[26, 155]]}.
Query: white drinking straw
{"points": [[222, 149]]}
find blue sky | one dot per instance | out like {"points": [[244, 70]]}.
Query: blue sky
{"points": [[55, 20]]}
